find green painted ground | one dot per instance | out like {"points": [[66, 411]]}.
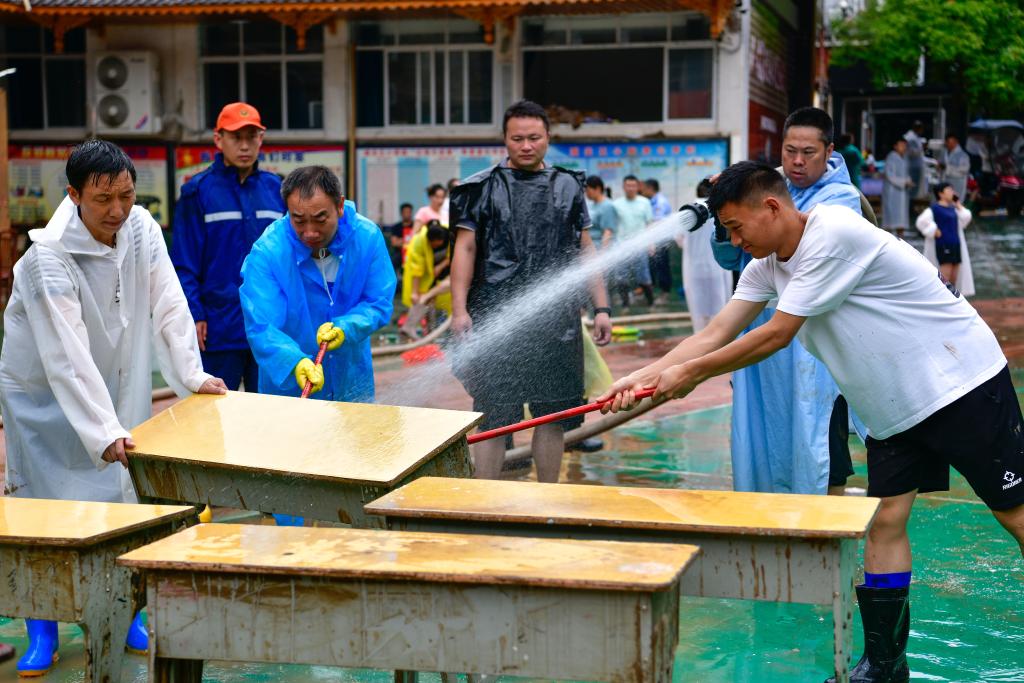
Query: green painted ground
{"points": [[968, 621], [967, 599]]}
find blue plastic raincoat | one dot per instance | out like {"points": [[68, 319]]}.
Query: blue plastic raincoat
{"points": [[781, 406], [285, 300]]}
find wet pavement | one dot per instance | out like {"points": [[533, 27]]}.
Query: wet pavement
{"points": [[968, 624]]}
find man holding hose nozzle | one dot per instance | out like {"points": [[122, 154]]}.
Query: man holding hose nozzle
{"points": [[516, 223], [319, 274], [915, 360]]}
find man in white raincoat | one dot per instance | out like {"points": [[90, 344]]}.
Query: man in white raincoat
{"points": [[957, 166], [895, 195], [708, 287], [93, 297]]}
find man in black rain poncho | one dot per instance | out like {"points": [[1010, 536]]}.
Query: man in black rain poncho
{"points": [[518, 224]]}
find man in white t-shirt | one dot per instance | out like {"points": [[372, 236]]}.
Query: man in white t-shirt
{"points": [[913, 358]]}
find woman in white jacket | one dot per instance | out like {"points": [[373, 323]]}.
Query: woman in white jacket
{"points": [[942, 225]]}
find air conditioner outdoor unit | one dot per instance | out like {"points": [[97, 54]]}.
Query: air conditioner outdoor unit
{"points": [[125, 93]]}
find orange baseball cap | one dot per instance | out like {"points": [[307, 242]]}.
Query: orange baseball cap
{"points": [[238, 115]]}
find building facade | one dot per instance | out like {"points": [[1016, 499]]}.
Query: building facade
{"points": [[398, 95]]}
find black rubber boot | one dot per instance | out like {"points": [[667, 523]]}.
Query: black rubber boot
{"points": [[886, 616]]}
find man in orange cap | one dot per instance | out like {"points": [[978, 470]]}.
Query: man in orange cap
{"points": [[221, 213]]}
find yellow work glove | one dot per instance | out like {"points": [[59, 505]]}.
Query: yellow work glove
{"points": [[331, 334], [306, 370]]}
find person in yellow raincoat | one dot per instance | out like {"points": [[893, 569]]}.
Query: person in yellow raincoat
{"points": [[424, 273]]}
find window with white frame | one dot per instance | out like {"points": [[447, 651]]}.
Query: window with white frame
{"points": [[415, 73], [48, 90], [634, 68], [259, 62]]}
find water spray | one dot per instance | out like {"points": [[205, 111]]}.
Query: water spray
{"points": [[504, 321]]}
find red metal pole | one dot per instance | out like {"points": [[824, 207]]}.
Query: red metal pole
{"points": [[319, 359], [553, 417]]}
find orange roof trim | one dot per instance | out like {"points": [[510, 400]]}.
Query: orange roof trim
{"points": [[64, 15]]}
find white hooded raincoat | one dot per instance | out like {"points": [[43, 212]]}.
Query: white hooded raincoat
{"points": [[80, 330]]}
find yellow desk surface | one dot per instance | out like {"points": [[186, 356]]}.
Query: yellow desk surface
{"points": [[355, 442], [33, 521], [760, 514], [410, 556]]}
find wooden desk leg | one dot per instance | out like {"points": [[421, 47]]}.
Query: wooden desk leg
{"points": [[842, 606], [165, 669], [406, 677], [107, 612]]}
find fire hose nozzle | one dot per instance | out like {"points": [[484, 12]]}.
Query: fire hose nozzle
{"points": [[700, 212]]}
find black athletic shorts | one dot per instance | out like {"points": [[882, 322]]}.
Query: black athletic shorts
{"points": [[980, 434], [947, 253]]}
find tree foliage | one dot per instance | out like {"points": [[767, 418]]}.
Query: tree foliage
{"points": [[977, 46]]}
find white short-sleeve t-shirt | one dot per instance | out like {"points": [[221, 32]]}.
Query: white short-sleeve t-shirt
{"points": [[899, 342]]}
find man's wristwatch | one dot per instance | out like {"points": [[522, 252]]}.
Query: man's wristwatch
{"points": [[603, 309]]}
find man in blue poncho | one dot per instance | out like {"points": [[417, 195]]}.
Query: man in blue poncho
{"points": [[320, 273], [789, 423]]}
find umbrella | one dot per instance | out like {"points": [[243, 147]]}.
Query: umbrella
{"points": [[995, 124]]}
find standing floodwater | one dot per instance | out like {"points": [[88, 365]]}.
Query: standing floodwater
{"points": [[507, 320]]}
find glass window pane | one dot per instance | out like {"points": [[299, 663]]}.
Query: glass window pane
{"points": [[644, 34], [21, 38], [421, 38], [578, 79], [438, 87], [25, 94], [425, 87], [222, 39], [689, 84], [220, 87], [314, 41], [74, 42], [480, 81], [537, 33], [692, 27], [369, 88], [263, 91], [456, 86], [368, 33], [261, 38], [305, 95], [65, 92], [402, 88], [592, 36], [462, 35]]}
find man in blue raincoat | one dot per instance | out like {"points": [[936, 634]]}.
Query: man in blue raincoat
{"points": [[320, 273], [789, 423], [222, 211]]}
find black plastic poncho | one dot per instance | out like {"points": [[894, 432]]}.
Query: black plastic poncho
{"points": [[527, 227]]}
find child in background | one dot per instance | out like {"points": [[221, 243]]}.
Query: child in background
{"points": [[942, 225]]}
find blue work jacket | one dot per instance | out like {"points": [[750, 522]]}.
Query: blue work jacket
{"points": [[216, 222], [285, 299]]}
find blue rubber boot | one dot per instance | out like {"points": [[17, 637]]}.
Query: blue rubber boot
{"points": [[42, 648], [289, 520], [138, 637]]}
